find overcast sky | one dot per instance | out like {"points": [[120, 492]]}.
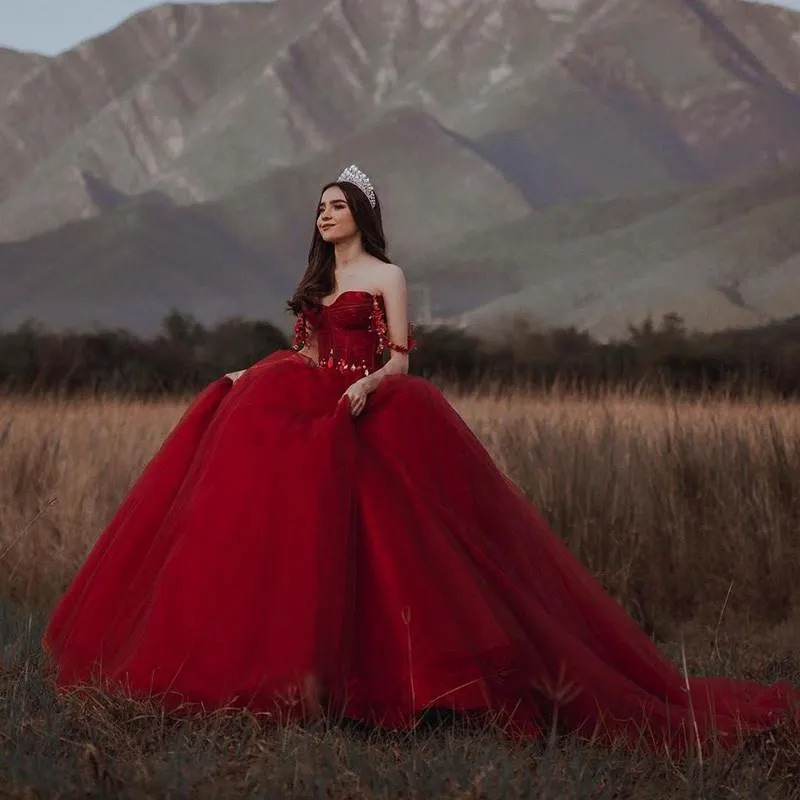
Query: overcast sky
{"points": [[50, 26]]}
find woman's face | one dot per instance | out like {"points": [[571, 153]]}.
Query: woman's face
{"points": [[334, 219]]}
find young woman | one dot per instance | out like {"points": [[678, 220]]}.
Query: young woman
{"points": [[322, 533]]}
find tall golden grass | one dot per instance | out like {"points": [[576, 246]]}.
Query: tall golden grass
{"points": [[678, 507], [687, 511]]}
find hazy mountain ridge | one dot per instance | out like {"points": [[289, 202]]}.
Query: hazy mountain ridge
{"points": [[573, 99], [468, 114], [142, 257], [720, 256], [115, 106]]}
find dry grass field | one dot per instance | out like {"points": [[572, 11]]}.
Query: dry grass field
{"points": [[688, 511]]}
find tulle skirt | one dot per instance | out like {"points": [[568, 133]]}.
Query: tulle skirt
{"points": [[280, 555]]}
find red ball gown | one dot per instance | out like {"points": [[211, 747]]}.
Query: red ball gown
{"points": [[275, 537]]}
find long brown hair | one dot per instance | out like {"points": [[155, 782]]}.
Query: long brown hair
{"points": [[318, 280]]}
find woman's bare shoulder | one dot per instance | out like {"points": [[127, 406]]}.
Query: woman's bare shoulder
{"points": [[390, 274]]}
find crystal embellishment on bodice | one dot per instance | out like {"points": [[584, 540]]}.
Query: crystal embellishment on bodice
{"points": [[351, 333]]}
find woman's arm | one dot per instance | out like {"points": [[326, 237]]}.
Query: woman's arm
{"points": [[395, 338], [395, 301]]}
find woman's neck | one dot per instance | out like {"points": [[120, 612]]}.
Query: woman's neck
{"points": [[348, 252]]}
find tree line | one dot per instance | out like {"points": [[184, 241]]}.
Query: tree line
{"points": [[186, 355]]}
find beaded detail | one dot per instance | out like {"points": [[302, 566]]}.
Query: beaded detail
{"points": [[343, 366], [303, 331], [379, 326]]}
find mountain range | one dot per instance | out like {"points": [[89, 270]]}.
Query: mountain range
{"points": [[586, 162]]}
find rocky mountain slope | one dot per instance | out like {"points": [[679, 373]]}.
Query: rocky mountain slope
{"points": [[470, 114], [569, 97], [244, 254], [721, 256]]}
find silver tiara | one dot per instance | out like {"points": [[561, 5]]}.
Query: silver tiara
{"points": [[355, 176]]}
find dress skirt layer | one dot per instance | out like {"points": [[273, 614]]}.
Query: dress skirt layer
{"points": [[276, 543]]}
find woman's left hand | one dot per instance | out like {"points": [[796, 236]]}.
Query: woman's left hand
{"points": [[357, 393]]}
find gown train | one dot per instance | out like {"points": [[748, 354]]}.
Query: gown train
{"points": [[275, 539]]}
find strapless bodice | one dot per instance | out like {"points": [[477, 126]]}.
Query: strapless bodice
{"points": [[351, 333]]}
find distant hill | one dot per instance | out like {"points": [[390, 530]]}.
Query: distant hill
{"points": [[563, 152], [245, 253], [720, 256]]}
